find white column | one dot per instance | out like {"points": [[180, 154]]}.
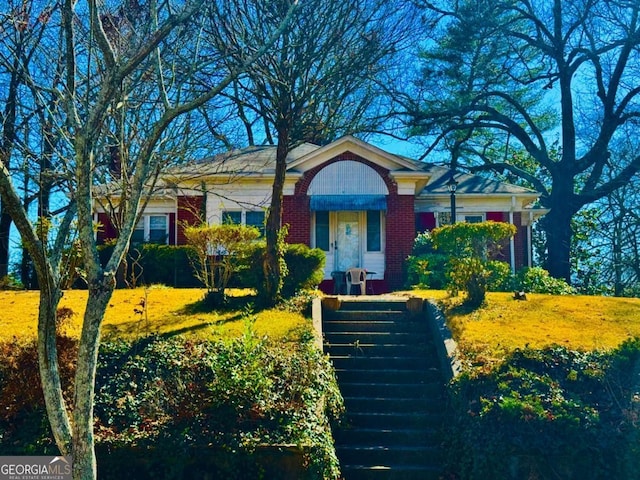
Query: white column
{"points": [[511, 240]]}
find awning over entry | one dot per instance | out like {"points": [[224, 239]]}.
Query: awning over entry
{"points": [[348, 202]]}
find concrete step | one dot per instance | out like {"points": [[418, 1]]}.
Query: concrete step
{"points": [[374, 303], [355, 315], [391, 420], [357, 360], [422, 375], [392, 390], [373, 325], [382, 435], [392, 472], [350, 337], [407, 406], [383, 455], [366, 350]]}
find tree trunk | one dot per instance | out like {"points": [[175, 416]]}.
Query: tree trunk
{"points": [[557, 227], [50, 296], [272, 255], [5, 226], [84, 457]]}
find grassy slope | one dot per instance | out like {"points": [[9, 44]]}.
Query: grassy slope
{"points": [[578, 322], [168, 311], [504, 324]]}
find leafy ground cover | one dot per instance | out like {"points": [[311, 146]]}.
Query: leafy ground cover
{"points": [[136, 313], [550, 388], [177, 384]]}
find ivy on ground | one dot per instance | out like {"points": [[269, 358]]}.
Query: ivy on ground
{"points": [[165, 398], [552, 413]]}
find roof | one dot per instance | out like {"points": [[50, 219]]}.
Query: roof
{"points": [[250, 160], [469, 184], [260, 161]]}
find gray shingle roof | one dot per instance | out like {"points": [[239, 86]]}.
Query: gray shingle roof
{"points": [[260, 160], [469, 184], [250, 160]]}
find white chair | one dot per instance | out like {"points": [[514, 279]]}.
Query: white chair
{"points": [[357, 277]]}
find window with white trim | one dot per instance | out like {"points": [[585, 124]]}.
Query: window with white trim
{"points": [[250, 218], [374, 231], [475, 218], [151, 229]]}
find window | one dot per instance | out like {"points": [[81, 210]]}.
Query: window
{"points": [[248, 218], [474, 218], [151, 229], [444, 218], [255, 219], [322, 230], [232, 217], [374, 243]]}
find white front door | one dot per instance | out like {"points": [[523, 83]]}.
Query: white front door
{"points": [[347, 244]]}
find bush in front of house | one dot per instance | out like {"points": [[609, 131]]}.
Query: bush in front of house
{"points": [[154, 264], [425, 268], [538, 280], [552, 413], [305, 267], [470, 247], [167, 406]]}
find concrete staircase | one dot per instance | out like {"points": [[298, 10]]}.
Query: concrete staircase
{"points": [[389, 375]]}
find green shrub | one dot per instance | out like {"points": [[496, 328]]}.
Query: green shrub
{"points": [[164, 400], [423, 244], [500, 276], [427, 270], [538, 280], [153, 264], [553, 413], [305, 267], [470, 247]]}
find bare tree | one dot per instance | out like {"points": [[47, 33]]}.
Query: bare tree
{"points": [[525, 73], [118, 61], [319, 83]]}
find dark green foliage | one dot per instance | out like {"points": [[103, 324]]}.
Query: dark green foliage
{"points": [[306, 268], [153, 264], [470, 247], [304, 264], [425, 268], [500, 277], [161, 404], [554, 413], [538, 280], [24, 428]]}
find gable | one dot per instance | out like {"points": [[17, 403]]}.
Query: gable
{"points": [[362, 149]]}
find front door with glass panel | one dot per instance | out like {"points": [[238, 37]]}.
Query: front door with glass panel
{"points": [[347, 242]]}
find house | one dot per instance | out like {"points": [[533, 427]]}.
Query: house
{"points": [[358, 203]]}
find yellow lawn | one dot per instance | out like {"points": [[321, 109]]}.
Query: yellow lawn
{"points": [[140, 312], [504, 324]]}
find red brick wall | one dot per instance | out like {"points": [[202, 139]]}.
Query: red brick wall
{"points": [[400, 227], [296, 214], [189, 209], [400, 235]]}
